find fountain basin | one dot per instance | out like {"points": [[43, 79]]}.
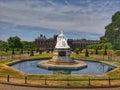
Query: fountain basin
{"points": [[29, 66], [51, 65]]}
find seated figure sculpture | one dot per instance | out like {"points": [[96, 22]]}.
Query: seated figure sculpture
{"points": [[61, 41]]}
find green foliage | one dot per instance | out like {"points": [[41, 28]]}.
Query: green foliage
{"points": [[112, 33], [86, 53], [117, 52], [14, 42], [108, 45], [95, 46], [28, 45], [116, 45], [3, 45], [103, 39], [6, 49], [100, 46], [105, 52], [96, 51], [13, 52], [40, 51], [37, 49], [83, 39], [21, 52], [77, 50]]}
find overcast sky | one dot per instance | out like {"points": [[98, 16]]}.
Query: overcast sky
{"points": [[77, 18]]}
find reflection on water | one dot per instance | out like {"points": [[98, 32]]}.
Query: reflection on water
{"points": [[30, 67], [94, 68]]}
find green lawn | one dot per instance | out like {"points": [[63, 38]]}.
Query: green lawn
{"points": [[5, 70]]}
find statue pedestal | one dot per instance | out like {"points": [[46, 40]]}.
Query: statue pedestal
{"points": [[61, 55]]}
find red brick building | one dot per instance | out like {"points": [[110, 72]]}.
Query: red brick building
{"points": [[49, 44]]}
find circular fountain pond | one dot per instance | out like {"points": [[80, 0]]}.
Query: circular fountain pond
{"points": [[93, 67]]}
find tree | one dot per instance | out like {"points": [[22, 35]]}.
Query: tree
{"points": [[28, 45], [77, 50], [100, 46], [105, 50], [31, 53], [116, 45], [83, 39], [14, 42], [40, 51], [86, 53], [96, 51], [3, 45], [103, 39], [13, 52], [112, 33], [37, 49], [21, 52]]}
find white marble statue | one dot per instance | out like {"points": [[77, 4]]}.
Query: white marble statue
{"points": [[61, 41]]}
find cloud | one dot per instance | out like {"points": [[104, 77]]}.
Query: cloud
{"points": [[89, 16]]}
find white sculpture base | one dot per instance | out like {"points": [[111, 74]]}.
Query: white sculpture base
{"points": [[61, 61], [62, 66], [61, 55]]}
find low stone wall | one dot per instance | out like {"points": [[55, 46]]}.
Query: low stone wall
{"points": [[76, 66], [17, 61]]}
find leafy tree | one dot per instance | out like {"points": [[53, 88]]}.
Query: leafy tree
{"points": [[116, 45], [112, 33], [40, 51], [83, 39], [108, 45], [3, 45], [86, 53], [13, 52], [31, 53], [21, 52], [28, 45], [96, 51], [37, 49], [117, 52], [100, 46], [103, 39], [105, 50], [77, 50], [14, 42]]}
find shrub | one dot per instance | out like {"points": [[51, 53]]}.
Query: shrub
{"points": [[31, 53], [117, 52], [87, 53], [13, 52], [21, 52], [96, 51]]}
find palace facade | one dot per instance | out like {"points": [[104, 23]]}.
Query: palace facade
{"points": [[49, 44]]}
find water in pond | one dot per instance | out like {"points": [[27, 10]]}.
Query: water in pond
{"points": [[30, 67]]}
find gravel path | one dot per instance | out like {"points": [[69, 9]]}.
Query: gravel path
{"points": [[12, 87]]}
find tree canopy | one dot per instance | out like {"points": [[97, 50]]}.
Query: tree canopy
{"points": [[112, 33], [27, 45], [3, 45], [14, 42]]}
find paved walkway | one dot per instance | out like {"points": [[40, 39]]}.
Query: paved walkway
{"points": [[12, 87]]}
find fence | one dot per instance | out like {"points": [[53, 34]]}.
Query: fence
{"points": [[61, 82], [107, 57], [13, 56]]}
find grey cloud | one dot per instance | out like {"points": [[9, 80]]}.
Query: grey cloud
{"points": [[48, 14]]}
